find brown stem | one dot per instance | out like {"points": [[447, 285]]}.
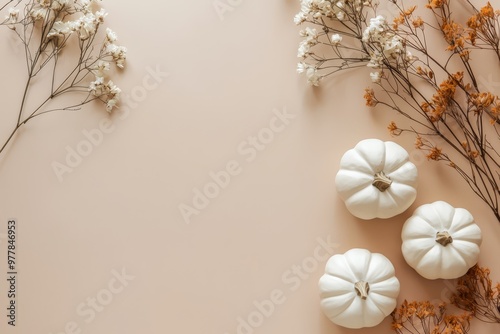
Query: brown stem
{"points": [[362, 289], [444, 238], [10, 137], [381, 181]]}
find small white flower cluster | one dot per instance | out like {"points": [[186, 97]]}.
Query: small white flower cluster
{"points": [[84, 23], [12, 18], [334, 9], [85, 26], [102, 89], [117, 52], [336, 39], [313, 11], [311, 39], [379, 37], [379, 33], [387, 45], [108, 91], [41, 8], [311, 72]]}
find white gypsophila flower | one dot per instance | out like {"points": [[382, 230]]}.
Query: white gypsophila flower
{"points": [[113, 95], [111, 35], [38, 13], [339, 12], [43, 3], [302, 67], [327, 8], [358, 5], [60, 29], [101, 68], [118, 53], [393, 47], [311, 36], [110, 104], [410, 57], [375, 63], [13, 14], [86, 5], [299, 18], [12, 18], [96, 87], [41, 9], [100, 15], [315, 9], [59, 4], [304, 49], [107, 92], [113, 89], [377, 26], [313, 77], [324, 7], [73, 25], [305, 6], [378, 21], [336, 39], [310, 33], [88, 25], [376, 76]]}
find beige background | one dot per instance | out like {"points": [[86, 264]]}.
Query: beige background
{"points": [[119, 208]]}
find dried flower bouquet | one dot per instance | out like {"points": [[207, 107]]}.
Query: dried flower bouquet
{"points": [[46, 29], [454, 119]]}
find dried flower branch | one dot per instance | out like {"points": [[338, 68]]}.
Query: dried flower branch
{"points": [[477, 295], [454, 120], [423, 317], [46, 28]]}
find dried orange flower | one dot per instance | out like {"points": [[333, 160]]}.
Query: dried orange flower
{"points": [[476, 294], [418, 22], [487, 11], [454, 35], [403, 16], [424, 317], [441, 95], [393, 129], [443, 98], [484, 25], [434, 154], [370, 99], [419, 143], [436, 4]]}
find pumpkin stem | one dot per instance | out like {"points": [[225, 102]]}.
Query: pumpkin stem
{"points": [[444, 238], [381, 181], [362, 289]]}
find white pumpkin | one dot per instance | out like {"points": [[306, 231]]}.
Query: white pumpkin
{"points": [[358, 289], [440, 241], [376, 179]]}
